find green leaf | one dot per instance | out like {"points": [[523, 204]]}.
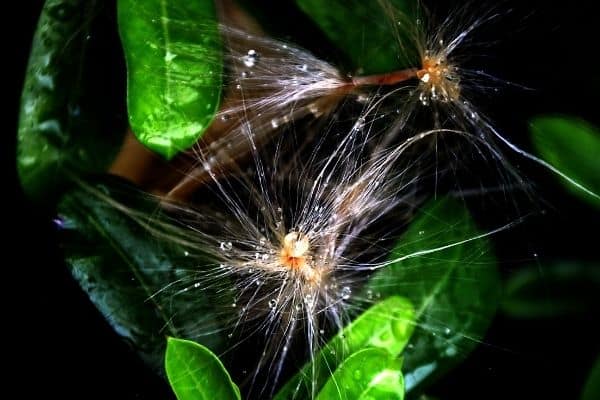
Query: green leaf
{"points": [[373, 39], [66, 118], [369, 374], [454, 289], [386, 325], [174, 68], [553, 290], [196, 373], [572, 146], [591, 390], [125, 271]]}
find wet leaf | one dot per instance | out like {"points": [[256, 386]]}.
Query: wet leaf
{"points": [[387, 325], [572, 146], [174, 67], [196, 373], [455, 290], [122, 268], [66, 120], [553, 290], [369, 374], [366, 31]]}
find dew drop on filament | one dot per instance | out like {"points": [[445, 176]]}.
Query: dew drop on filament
{"points": [[346, 291], [251, 58]]}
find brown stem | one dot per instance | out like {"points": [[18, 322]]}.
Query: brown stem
{"points": [[390, 78]]}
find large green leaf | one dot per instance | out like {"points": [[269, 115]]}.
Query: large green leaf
{"points": [[447, 271], [123, 268], [66, 118], [373, 36], [591, 389], [572, 146], [174, 68], [369, 374], [558, 289], [387, 325], [195, 373]]}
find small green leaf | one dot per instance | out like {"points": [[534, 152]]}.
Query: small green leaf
{"points": [[572, 146], [66, 120], [369, 374], [386, 325], [364, 29], [455, 289], [174, 68], [124, 270], [553, 290], [591, 390], [196, 373]]}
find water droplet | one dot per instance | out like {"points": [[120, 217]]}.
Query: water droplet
{"points": [[362, 98], [230, 335], [234, 304], [251, 58], [186, 253], [447, 331], [346, 292], [322, 331], [309, 299], [360, 123], [225, 246], [59, 222], [272, 303], [197, 285], [274, 123], [170, 56], [369, 294], [421, 233], [451, 351]]}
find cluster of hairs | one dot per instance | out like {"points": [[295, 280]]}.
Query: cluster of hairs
{"points": [[307, 173]]}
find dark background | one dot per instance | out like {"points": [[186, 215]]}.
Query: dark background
{"points": [[61, 346]]}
